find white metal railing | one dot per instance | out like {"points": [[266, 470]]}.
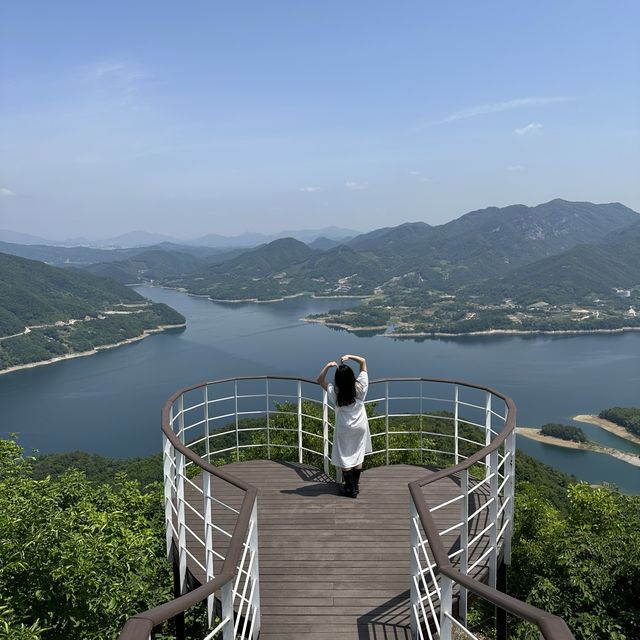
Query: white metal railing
{"points": [[465, 430]]}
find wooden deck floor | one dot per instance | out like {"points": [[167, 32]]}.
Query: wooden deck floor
{"points": [[330, 566]]}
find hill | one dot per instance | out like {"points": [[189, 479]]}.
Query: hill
{"points": [[148, 265], [48, 312], [284, 268], [581, 272]]}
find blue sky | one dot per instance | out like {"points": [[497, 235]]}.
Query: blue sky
{"points": [[197, 117]]}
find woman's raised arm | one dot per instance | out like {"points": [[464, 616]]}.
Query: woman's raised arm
{"points": [[321, 378], [359, 359]]}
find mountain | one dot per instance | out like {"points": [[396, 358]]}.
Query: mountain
{"points": [[82, 256], [490, 242], [251, 239], [61, 256], [390, 239], [48, 312], [6, 235], [582, 271], [323, 243], [134, 239], [266, 259], [149, 265]]}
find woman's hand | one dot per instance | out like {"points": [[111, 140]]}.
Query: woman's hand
{"points": [[333, 363], [344, 358]]}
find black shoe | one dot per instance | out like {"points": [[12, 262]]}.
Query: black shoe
{"points": [[356, 480], [349, 486]]}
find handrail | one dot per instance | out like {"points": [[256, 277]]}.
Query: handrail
{"points": [[139, 626], [550, 625]]}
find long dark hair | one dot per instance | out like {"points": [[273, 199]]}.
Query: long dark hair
{"points": [[345, 383]]}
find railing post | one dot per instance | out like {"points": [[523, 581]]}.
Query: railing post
{"points": [[268, 421], [487, 431], [464, 543], [208, 540], [206, 424], [299, 422], [386, 419], [509, 490], [255, 571], [235, 394], [226, 597], [421, 411], [169, 486], [493, 518], [325, 431], [415, 569], [446, 607], [456, 423], [182, 525]]}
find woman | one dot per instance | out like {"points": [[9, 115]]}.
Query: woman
{"points": [[351, 437]]}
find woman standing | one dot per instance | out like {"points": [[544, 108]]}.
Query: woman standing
{"points": [[351, 437]]}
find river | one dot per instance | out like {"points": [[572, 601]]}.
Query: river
{"points": [[110, 403]]}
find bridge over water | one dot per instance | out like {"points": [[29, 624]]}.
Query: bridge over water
{"points": [[255, 525]]}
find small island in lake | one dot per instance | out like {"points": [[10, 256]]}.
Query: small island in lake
{"points": [[563, 435]]}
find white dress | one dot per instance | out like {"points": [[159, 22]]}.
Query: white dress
{"points": [[351, 437]]}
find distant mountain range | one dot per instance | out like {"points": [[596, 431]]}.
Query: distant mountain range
{"points": [[480, 271], [137, 239]]}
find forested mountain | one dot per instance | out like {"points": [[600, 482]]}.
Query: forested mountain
{"points": [[584, 270], [48, 311], [148, 265]]}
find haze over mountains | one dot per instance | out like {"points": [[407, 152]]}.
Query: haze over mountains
{"points": [[136, 239]]}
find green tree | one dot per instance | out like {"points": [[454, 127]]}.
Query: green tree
{"points": [[75, 559], [584, 567]]}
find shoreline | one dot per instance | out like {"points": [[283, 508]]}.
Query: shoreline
{"points": [[91, 352], [534, 434], [337, 325], [444, 334], [607, 425]]}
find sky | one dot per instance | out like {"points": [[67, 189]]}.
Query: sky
{"points": [[225, 117]]}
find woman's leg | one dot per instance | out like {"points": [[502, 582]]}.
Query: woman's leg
{"points": [[348, 475], [357, 470]]}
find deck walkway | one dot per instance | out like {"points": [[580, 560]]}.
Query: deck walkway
{"points": [[333, 567]]}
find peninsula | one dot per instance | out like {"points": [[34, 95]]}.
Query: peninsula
{"points": [[48, 314]]}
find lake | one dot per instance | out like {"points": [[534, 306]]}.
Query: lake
{"points": [[110, 403]]}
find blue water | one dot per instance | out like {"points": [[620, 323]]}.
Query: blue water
{"points": [[110, 403]]}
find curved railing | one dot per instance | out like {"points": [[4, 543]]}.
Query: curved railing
{"points": [[464, 430]]}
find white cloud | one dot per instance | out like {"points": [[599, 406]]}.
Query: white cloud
{"points": [[310, 189], [497, 107], [515, 167], [121, 71], [413, 172], [532, 127], [6, 192], [356, 186]]}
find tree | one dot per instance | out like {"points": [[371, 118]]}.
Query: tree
{"points": [[75, 559], [585, 567]]}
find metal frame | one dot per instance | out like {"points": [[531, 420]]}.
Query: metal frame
{"points": [[480, 465]]}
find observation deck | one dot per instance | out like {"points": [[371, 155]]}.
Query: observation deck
{"points": [[255, 525]]}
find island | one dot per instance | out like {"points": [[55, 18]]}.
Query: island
{"points": [[574, 438]]}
